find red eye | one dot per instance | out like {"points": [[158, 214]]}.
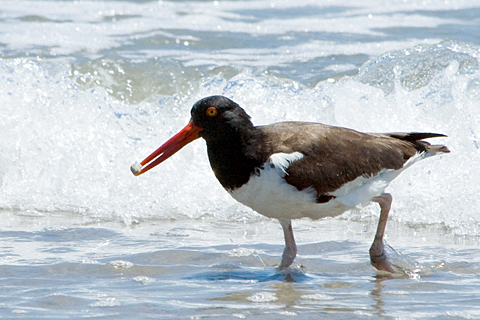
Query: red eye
{"points": [[211, 112]]}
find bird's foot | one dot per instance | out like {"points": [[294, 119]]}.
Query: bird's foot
{"points": [[290, 251], [286, 263], [385, 258], [379, 258], [381, 263], [288, 257]]}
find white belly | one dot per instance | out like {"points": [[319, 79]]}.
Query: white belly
{"points": [[270, 195]]}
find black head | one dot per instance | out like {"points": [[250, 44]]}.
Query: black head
{"points": [[219, 117], [226, 128]]}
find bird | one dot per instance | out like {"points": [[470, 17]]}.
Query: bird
{"points": [[292, 170]]}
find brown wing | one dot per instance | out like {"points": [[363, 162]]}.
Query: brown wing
{"points": [[334, 156]]}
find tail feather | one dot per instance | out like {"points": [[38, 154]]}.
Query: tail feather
{"points": [[417, 139], [414, 136]]}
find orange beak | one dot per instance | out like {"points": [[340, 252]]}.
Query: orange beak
{"points": [[177, 142]]}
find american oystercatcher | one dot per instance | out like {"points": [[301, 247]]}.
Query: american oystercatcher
{"points": [[292, 170]]}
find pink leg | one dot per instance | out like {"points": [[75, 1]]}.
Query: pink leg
{"points": [[378, 257], [290, 251]]}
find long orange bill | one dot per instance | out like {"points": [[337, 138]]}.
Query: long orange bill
{"points": [[177, 142]]}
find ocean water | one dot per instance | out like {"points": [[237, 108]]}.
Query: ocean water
{"points": [[89, 87]]}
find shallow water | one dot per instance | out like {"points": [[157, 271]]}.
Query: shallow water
{"points": [[68, 267], [89, 87]]}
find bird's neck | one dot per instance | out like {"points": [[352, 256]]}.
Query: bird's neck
{"points": [[234, 157]]}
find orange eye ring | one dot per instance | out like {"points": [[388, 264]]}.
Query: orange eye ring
{"points": [[211, 112]]}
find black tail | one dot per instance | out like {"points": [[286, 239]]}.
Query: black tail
{"points": [[417, 139]]}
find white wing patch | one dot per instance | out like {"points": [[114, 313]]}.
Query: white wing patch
{"points": [[281, 161]]}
